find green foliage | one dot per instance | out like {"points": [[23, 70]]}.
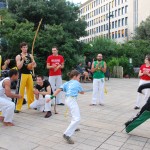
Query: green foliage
{"points": [[143, 31], [60, 27]]}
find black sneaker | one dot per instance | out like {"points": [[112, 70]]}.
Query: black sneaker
{"points": [[16, 111], [62, 104], [68, 139], [48, 114], [24, 101], [127, 123], [76, 130], [136, 107]]}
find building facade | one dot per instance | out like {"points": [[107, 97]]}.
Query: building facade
{"points": [[115, 19]]}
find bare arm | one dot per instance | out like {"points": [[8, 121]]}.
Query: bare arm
{"points": [[48, 66], [19, 62], [48, 92], [140, 73], [94, 69], [8, 92], [57, 92], [104, 68], [36, 92]]}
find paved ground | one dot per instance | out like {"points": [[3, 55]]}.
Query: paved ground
{"points": [[102, 127]]}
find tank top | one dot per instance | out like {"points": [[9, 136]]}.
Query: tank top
{"points": [[24, 69], [2, 89], [98, 74]]}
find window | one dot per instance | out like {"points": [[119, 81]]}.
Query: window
{"points": [[99, 28], [126, 21], [123, 33], [119, 34], [116, 34], [122, 10], [107, 26], [113, 35], [122, 1], [116, 24], [102, 28], [115, 2], [119, 23], [107, 16], [119, 11], [106, 6], [122, 21], [112, 14], [115, 13], [118, 2], [113, 25], [126, 32], [126, 9]]}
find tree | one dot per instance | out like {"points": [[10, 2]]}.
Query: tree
{"points": [[143, 31]]}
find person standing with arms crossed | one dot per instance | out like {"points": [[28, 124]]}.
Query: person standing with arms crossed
{"points": [[98, 69], [25, 64], [55, 63]]}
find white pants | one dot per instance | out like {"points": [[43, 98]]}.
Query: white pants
{"points": [[71, 103], [145, 91], [56, 82], [41, 103], [7, 107], [98, 91]]}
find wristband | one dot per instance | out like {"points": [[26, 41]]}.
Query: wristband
{"points": [[52, 96]]}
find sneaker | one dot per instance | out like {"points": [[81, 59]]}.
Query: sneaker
{"points": [[24, 101], [48, 114], [76, 130], [68, 139], [127, 123], [16, 111], [62, 104], [136, 107]]}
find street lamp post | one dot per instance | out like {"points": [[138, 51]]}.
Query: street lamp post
{"points": [[109, 16]]}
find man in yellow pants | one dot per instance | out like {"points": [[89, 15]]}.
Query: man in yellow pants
{"points": [[25, 63]]}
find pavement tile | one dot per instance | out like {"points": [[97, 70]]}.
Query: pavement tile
{"points": [[85, 147], [11, 143], [109, 147]]}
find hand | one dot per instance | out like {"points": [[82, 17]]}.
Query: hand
{"points": [[36, 92], [48, 100], [23, 57], [33, 63], [54, 65], [19, 96]]}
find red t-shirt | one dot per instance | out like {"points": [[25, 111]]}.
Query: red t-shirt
{"points": [[144, 68], [55, 60]]}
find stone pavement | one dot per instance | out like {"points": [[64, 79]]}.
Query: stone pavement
{"points": [[102, 127]]}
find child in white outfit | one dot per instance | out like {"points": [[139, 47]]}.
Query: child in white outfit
{"points": [[72, 88]]}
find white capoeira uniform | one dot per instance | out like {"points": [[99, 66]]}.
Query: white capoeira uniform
{"points": [[6, 105], [72, 88], [41, 103]]}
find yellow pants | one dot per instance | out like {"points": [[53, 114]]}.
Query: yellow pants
{"points": [[26, 81]]}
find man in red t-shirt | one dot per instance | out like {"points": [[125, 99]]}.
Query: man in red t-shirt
{"points": [[144, 75], [55, 63]]}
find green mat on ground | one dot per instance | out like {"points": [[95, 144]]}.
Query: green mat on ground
{"points": [[143, 117]]}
